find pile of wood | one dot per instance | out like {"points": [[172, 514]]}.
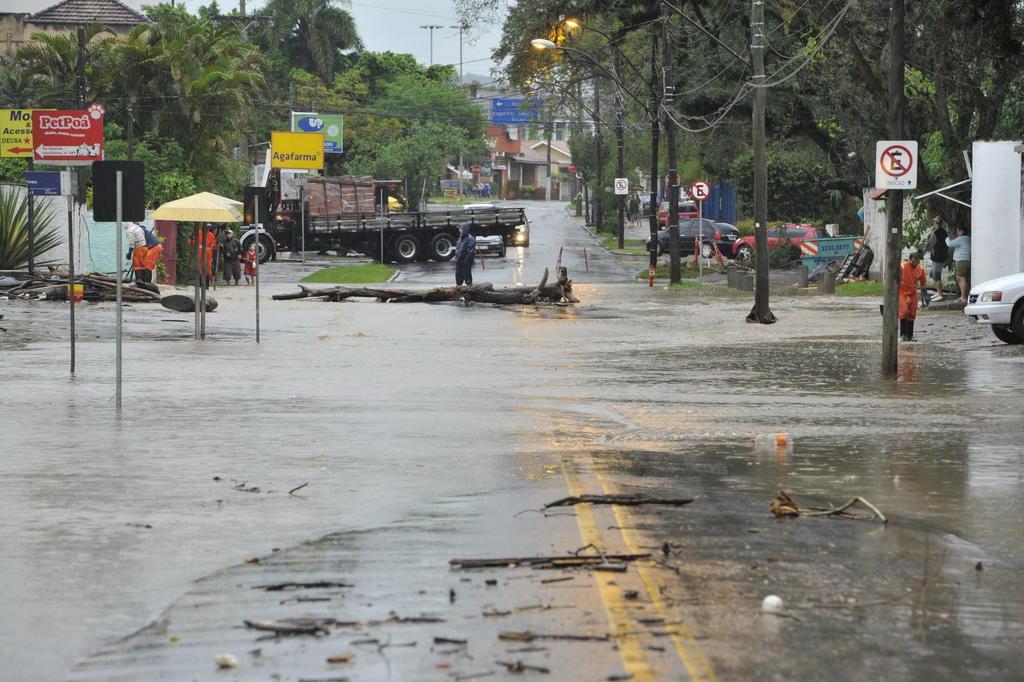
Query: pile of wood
{"points": [[97, 287], [347, 194], [476, 293]]}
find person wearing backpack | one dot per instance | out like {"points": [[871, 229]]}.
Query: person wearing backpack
{"points": [[232, 250]]}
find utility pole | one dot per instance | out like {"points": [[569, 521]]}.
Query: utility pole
{"points": [[241, 8], [655, 142], [894, 198], [431, 28], [620, 162], [599, 142], [461, 27], [131, 132], [547, 174], [675, 270], [760, 314]]}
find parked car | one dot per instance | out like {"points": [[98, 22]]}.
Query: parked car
{"points": [[743, 248], [1000, 303], [490, 246], [714, 234], [687, 209]]}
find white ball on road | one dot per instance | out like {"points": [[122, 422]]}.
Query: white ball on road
{"points": [[772, 604]]}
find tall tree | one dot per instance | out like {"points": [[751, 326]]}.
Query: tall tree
{"points": [[313, 35]]}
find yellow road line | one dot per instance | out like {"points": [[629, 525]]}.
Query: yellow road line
{"points": [[631, 650], [696, 663]]}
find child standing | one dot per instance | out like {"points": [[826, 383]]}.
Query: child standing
{"points": [[249, 258], [911, 275]]}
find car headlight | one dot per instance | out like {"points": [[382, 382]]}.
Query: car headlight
{"points": [[990, 296]]}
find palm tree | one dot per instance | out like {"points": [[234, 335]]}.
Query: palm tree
{"points": [[311, 34], [19, 88], [55, 57]]}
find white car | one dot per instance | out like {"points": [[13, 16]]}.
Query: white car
{"points": [[1000, 303]]}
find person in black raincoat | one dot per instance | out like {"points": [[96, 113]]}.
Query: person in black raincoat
{"points": [[465, 253]]}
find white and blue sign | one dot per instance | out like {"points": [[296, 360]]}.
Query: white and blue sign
{"points": [[514, 110], [43, 183], [332, 127]]}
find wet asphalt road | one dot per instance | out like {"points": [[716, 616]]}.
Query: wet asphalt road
{"points": [[424, 431]]}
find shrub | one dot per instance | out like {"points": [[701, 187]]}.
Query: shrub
{"points": [[14, 230]]}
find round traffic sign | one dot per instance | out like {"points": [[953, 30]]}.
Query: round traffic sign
{"points": [[621, 184], [896, 160], [700, 190]]}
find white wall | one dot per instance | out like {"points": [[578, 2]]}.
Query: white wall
{"points": [[997, 218]]}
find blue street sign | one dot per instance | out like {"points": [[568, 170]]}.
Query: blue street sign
{"points": [[43, 183], [514, 110]]}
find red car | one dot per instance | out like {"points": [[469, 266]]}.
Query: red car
{"points": [[687, 209], [744, 247]]}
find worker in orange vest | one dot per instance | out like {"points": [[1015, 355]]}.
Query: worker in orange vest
{"points": [[205, 234], [911, 276]]}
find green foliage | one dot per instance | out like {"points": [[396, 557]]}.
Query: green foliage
{"points": [[313, 35], [860, 288], [13, 170], [169, 186], [369, 273], [794, 190], [14, 230]]}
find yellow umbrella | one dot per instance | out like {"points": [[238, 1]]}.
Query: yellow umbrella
{"points": [[204, 207]]}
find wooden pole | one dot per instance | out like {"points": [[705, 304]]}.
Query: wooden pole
{"points": [[761, 313], [655, 143], [894, 198], [620, 161], [675, 268]]}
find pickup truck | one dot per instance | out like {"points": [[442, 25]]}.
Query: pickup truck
{"points": [[1000, 303]]}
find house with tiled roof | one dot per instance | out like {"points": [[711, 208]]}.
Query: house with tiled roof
{"points": [[16, 29]]}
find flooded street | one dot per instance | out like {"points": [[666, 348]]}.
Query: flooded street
{"points": [[134, 547]]}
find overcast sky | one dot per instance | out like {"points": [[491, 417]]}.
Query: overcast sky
{"points": [[383, 25]]}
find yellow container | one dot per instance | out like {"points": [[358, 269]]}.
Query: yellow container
{"points": [[77, 290]]}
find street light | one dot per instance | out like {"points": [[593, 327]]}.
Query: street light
{"points": [[432, 28], [541, 44]]}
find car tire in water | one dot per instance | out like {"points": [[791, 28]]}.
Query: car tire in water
{"points": [[1017, 321], [706, 250], [442, 247], [744, 253], [501, 254], [1005, 334], [406, 248]]}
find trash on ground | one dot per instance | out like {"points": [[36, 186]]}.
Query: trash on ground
{"points": [[784, 505], [771, 604], [621, 500], [225, 661]]}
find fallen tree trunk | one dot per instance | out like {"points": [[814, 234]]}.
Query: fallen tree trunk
{"points": [[479, 293]]}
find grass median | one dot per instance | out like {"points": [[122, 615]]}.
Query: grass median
{"points": [[860, 288], [367, 273], [633, 247]]}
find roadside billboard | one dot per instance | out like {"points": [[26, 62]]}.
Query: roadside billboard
{"points": [[297, 151], [515, 110], [68, 137], [332, 126], [16, 133]]}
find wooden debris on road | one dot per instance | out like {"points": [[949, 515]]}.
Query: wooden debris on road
{"points": [[314, 585], [545, 562], [96, 287], [627, 500], [475, 293], [287, 628], [784, 505], [520, 667], [527, 636]]}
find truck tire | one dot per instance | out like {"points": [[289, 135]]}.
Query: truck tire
{"points": [[1005, 334], [442, 247], [406, 248], [265, 249]]}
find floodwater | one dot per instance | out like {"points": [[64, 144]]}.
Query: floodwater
{"points": [[422, 431]]}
